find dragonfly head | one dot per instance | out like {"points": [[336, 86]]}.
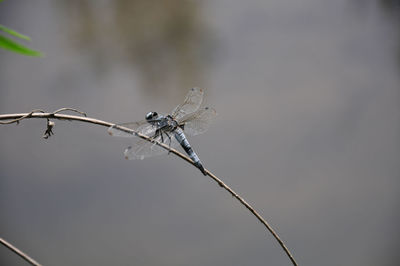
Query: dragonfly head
{"points": [[151, 115]]}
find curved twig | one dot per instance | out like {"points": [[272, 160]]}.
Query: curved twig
{"points": [[69, 109], [15, 118], [19, 252]]}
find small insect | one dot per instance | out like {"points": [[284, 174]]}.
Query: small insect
{"points": [[187, 118]]}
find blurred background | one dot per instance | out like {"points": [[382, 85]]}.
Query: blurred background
{"points": [[307, 95]]}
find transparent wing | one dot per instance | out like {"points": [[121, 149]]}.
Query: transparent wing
{"points": [[141, 126], [191, 104], [198, 122], [143, 148]]}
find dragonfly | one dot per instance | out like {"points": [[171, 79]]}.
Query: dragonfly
{"points": [[188, 118]]}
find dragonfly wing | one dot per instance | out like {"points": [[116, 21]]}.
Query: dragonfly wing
{"points": [[198, 122], [144, 149], [120, 130], [191, 104]]}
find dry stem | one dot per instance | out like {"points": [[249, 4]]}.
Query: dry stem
{"points": [[19, 252], [15, 118]]}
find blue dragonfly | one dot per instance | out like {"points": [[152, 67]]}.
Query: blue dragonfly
{"points": [[187, 118]]}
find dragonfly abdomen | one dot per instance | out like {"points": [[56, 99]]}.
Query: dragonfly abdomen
{"points": [[181, 138]]}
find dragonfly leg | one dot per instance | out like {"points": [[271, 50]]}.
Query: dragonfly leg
{"points": [[169, 137], [156, 134], [170, 140]]}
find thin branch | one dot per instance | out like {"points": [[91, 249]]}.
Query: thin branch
{"points": [[19, 252], [15, 118]]}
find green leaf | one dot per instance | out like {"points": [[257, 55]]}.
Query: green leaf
{"points": [[14, 33], [11, 45]]}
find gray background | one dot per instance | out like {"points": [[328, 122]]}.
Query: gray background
{"points": [[307, 94]]}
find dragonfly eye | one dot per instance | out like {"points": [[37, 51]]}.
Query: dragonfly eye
{"points": [[150, 115]]}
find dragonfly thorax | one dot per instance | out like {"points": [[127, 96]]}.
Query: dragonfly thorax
{"points": [[161, 122], [172, 122]]}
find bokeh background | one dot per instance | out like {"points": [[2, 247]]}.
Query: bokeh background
{"points": [[307, 95]]}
